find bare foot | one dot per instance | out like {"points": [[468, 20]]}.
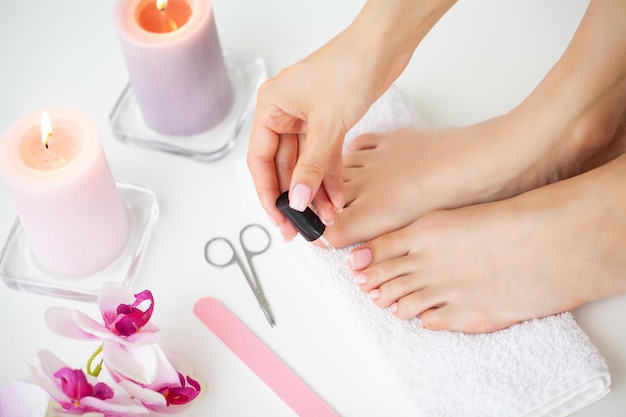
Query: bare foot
{"points": [[573, 121], [486, 267], [391, 179]]}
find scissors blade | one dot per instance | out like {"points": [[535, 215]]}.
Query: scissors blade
{"points": [[268, 314], [265, 307]]}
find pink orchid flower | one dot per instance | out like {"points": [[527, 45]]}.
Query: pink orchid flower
{"points": [[23, 399], [144, 364], [129, 342], [79, 394], [166, 395], [125, 316]]}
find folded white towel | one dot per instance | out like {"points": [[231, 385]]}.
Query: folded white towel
{"points": [[543, 367]]}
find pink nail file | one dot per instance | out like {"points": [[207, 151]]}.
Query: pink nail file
{"points": [[260, 359]]}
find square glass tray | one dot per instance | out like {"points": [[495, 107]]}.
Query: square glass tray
{"points": [[20, 270], [246, 73]]}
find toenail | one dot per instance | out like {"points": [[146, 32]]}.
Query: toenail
{"points": [[327, 222], [393, 308], [419, 322], [361, 258], [361, 279], [375, 294]]}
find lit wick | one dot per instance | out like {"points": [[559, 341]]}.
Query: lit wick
{"points": [[46, 129], [161, 5]]}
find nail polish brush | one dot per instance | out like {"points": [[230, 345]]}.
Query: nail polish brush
{"points": [[306, 222]]}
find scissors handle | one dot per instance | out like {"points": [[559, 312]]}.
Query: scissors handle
{"points": [[211, 259], [245, 244], [233, 258]]}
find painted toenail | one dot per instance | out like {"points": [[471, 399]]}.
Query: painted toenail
{"points": [[361, 258], [327, 222], [375, 294], [393, 308], [361, 279], [299, 197]]}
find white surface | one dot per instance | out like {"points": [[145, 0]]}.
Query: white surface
{"points": [[482, 59]]}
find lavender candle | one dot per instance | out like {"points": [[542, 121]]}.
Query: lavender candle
{"points": [[175, 63]]}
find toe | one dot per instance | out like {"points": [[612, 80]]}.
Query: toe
{"points": [[415, 303]]}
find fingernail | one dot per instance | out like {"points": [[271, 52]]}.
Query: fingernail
{"points": [[361, 258], [361, 279], [375, 294], [299, 197], [393, 308]]}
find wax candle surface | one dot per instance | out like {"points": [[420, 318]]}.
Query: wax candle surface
{"points": [[179, 77], [59, 151], [65, 195], [162, 20]]}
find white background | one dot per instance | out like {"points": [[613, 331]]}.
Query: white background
{"points": [[480, 61]]}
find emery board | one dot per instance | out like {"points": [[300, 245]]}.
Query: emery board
{"points": [[260, 359]]}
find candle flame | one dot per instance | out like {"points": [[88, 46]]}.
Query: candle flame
{"points": [[46, 129], [161, 4]]}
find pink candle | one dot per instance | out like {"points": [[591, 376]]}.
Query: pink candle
{"points": [[64, 193], [175, 64]]}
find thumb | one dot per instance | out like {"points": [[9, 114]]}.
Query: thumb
{"points": [[310, 170]]}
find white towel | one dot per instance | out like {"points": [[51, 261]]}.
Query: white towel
{"points": [[542, 367]]}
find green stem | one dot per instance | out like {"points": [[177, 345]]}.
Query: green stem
{"points": [[96, 371]]}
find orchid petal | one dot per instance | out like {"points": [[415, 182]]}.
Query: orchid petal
{"points": [[91, 326], [195, 384], [120, 405], [111, 295], [148, 397], [141, 338], [180, 392], [167, 374], [60, 413], [46, 364], [139, 363], [102, 391], [178, 408], [131, 318], [61, 321], [23, 399], [73, 383], [179, 395]]}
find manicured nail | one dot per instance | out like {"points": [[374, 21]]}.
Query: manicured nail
{"points": [[361, 279], [299, 197], [326, 222], [393, 308], [361, 258], [375, 294]]}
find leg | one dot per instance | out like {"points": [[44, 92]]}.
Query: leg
{"points": [[567, 125], [486, 267]]}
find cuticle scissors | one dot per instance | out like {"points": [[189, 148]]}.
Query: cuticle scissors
{"points": [[251, 277]]}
